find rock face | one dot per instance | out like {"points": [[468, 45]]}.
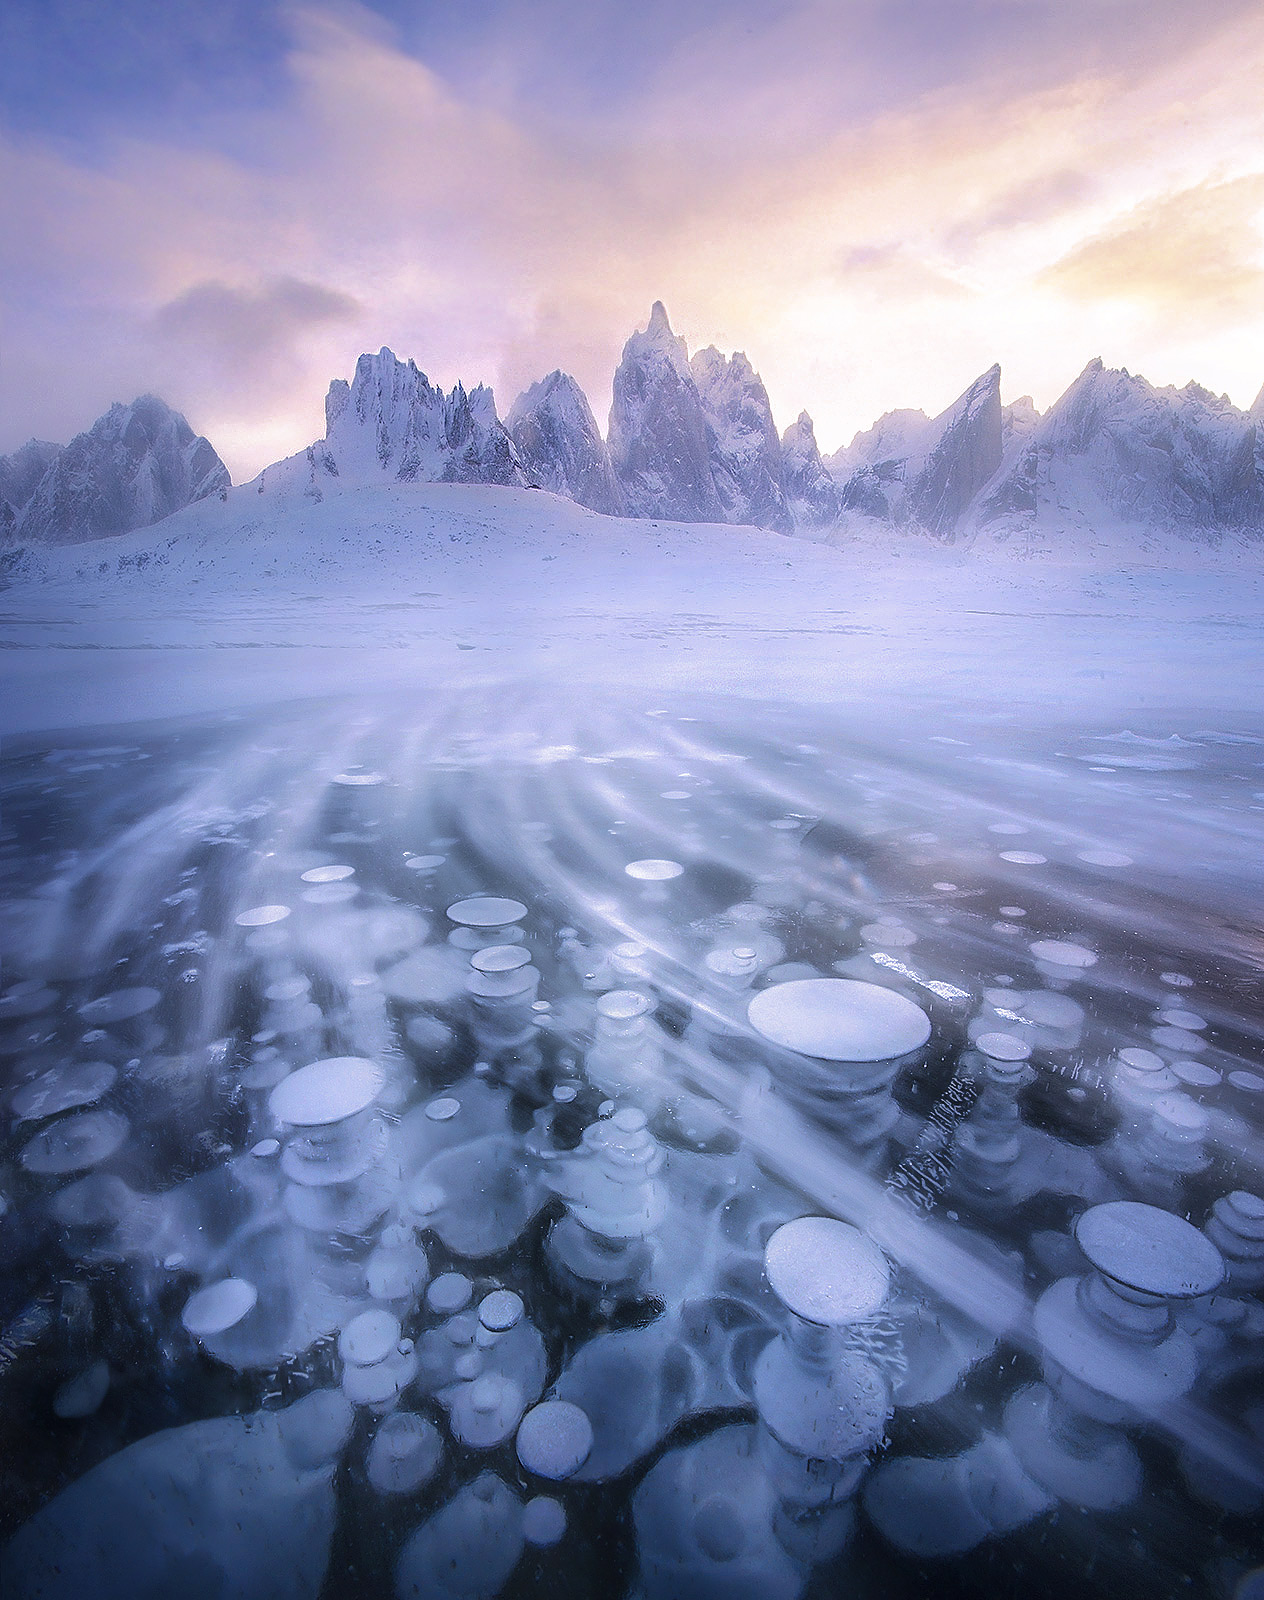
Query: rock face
{"points": [[812, 497], [966, 455], [134, 466], [659, 440], [391, 422], [556, 437], [744, 450], [1116, 449], [20, 474], [925, 471]]}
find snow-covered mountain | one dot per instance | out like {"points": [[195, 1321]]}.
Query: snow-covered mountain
{"points": [[1116, 449], [745, 452], [695, 441], [560, 447], [811, 495], [134, 466], [20, 474], [911, 469], [659, 440], [390, 422]]}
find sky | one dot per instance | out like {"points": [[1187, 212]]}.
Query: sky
{"points": [[225, 201]]}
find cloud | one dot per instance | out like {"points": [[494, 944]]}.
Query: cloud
{"points": [[889, 268], [377, 201], [248, 339], [1197, 255]]}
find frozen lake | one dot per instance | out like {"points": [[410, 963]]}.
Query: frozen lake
{"points": [[505, 1296], [545, 1055]]}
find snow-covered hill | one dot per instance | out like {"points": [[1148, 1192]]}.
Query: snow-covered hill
{"points": [[263, 597]]}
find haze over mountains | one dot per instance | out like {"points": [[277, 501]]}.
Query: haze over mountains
{"points": [[692, 439]]}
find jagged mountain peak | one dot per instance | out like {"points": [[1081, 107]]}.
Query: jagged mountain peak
{"points": [[558, 443], [136, 464]]}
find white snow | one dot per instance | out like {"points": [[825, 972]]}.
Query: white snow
{"points": [[259, 599]]}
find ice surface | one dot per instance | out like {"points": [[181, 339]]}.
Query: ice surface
{"points": [[555, 1203]]}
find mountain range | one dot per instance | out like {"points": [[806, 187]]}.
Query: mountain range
{"points": [[692, 439]]}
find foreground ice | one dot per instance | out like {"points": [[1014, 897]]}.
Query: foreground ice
{"points": [[401, 1194]]}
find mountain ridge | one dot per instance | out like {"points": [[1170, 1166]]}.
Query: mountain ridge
{"points": [[692, 439]]}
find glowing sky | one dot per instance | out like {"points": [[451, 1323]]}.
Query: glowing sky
{"points": [[875, 199]]}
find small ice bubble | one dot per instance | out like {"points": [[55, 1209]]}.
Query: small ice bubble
{"points": [[1012, 911], [1059, 954], [261, 916], [449, 1293], [265, 1147], [1176, 980], [653, 870], [564, 1093], [443, 1109], [1024, 858], [945, 888], [1174, 1017], [555, 1438], [218, 1307], [1006, 827], [424, 863], [330, 874], [1105, 858]]}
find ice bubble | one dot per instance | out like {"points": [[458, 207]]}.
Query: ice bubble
{"points": [[1141, 1060], [1011, 911], [330, 874], [1104, 858], [261, 916], [543, 1521], [1059, 954], [1003, 1046], [287, 989], [63, 1088], [565, 1092], [500, 958], [369, 1338], [26, 999], [676, 794], [826, 1271], [1189, 1020], [265, 1147], [424, 863], [442, 1109], [653, 870], [1178, 1039], [1148, 1250], [75, 1143], [1024, 858], [326, 1092], [218, 1307], [836, 1019], [1248, 1082], [945, 888], [1196, 1074], [405, 1454], [120, 1006], [1006, 827], [450, 1292], [624, 1005], [475, 1541], [554, 1439], [487, 911], [500, 1310], [358, 778], [1176, 980]]}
